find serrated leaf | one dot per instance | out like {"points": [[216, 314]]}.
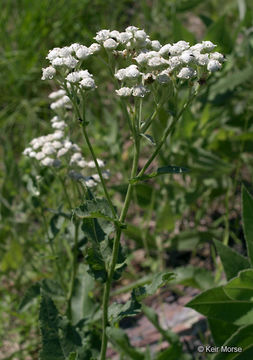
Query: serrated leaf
{"points": [[247, 217], [216, 304], [118, 312], [96, 208], [120, 340], [232, 261], [48, 316], [160, 171], [32, 293], [149, 138], [242, 338], [241, 287]]}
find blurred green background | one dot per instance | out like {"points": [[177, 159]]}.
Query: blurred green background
{"points": [[214, 139]]}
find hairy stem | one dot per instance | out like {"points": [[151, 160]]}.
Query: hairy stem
{"points": [[74, 269]]}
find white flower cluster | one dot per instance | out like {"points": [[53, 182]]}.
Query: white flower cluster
{"points": [[61, 100], [56, 148], [156, 62]]}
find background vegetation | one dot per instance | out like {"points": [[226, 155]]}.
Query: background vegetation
{"points": [[214, 139]]}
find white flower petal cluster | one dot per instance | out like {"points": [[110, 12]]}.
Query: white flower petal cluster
{"points": [[161, 63], [82, 78], [56, 149]]}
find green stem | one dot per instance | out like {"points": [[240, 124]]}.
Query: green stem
{"points": [[74, 269], [98, 170], [170, 127], [115, 249]]}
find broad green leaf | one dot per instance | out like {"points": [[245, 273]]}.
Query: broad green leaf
{"points": [[219, 34], [247, 216], [241, 287], [96, 208], [120, 340], [82, 304], [69, 338], [216, 304], [242, 338], [96, 230], [232, 261], [165, 219], [48, 316], [173, 352], [160, 171], [221, 330], [32, 293]]}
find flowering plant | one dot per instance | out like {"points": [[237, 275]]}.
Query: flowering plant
{"points": [[143, 72]]}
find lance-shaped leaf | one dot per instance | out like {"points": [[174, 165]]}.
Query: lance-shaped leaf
{"points": [[241, 287], [247, 216], [216, 304], [232, 261], [149, 138], [160, 171], [221, 330]]}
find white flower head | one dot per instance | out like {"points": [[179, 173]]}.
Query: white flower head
{"points": [[165, 50], [186, 73], [82, 52], [88, 83], [213, 65], [155, 45], [110, 44], [140, 91], [179, 47], [48, 73], [124, 91], [94, 48], [187, 57], [102, 35], [57, 94], [47, 161], [208, 46]]}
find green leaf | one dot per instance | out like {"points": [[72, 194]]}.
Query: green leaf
{"points": [[97, 267], [247, 217], [241, 287], [219, 33], [119, 311], [48, 316], [32, 293], [82, 304], [221, 330], [242, 338], [232, 261], [196, 277], [73, 356], [120, 340], [216, 304], [235, 79], [96, 208], [160, 279], [160, 171], [149, 138]]}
